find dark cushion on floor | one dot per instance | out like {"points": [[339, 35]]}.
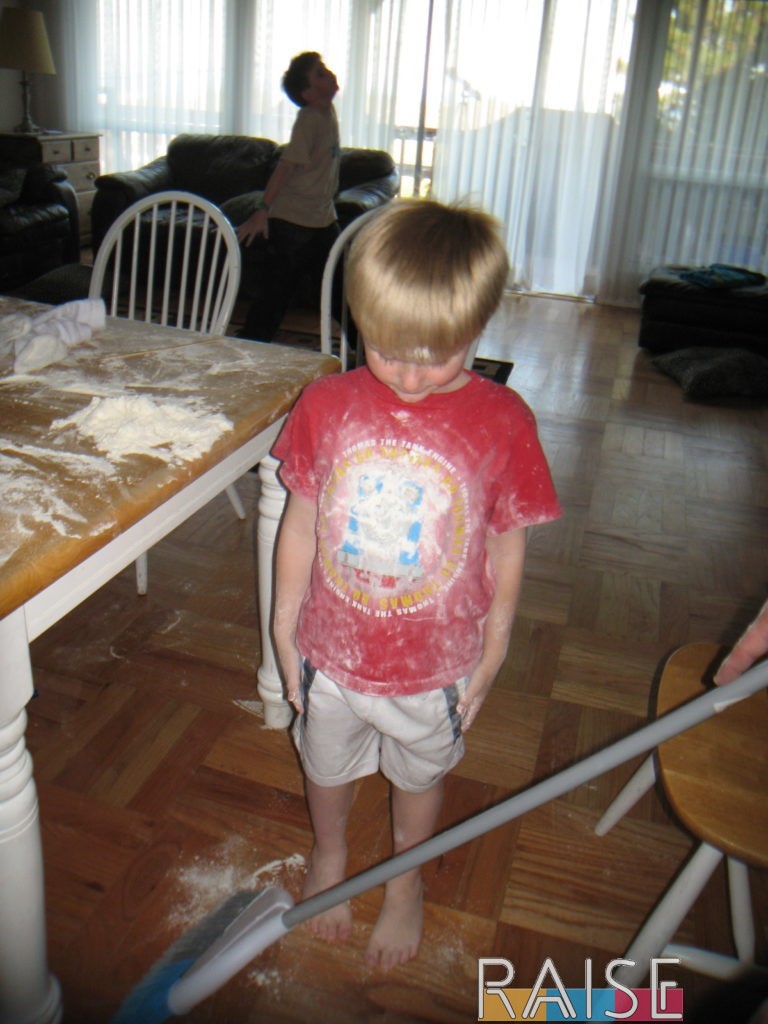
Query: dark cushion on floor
{"points": [[716, 372]]}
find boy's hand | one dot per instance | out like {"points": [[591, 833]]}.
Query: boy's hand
{"points": [[294, 699], [293, 687], [295, 553], [291, 663], [257, 224], [478, 688], [506, 553]]}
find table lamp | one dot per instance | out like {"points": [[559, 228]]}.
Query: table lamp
{"points": [[24, 46]]}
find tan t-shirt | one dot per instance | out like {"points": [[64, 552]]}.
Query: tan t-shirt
{"points": [[306, 197]]}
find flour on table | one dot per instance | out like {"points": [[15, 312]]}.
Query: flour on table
{"points": [[26, 497], [137, 425]]}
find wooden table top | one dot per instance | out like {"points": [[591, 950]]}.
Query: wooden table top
{"points": [[715, 774], [61, 497]]}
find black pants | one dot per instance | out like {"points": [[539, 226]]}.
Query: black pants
{"points": [[292, 252]]}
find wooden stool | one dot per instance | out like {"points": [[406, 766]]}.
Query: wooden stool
{"points": [[714, 777]]}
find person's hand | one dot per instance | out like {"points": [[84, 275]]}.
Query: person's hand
{"points": [[506, 553], [290, 663], [478, 687], [257, 224], [294, 699], [753, 644]]}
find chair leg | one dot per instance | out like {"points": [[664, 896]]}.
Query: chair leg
{"points": [[742, 921], [666, 916], [718, 965], [236, 503], [142, 574], [643, 779]]}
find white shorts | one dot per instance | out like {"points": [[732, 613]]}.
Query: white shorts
{"points": [[343, 735]]}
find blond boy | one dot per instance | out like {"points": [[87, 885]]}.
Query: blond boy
{"points": [[412, 482]]}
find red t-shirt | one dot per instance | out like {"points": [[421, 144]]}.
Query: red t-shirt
{"points": [[406, 495]]}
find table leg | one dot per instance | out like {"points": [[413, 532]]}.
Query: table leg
{"points": [[28, 993], [277, 712]]}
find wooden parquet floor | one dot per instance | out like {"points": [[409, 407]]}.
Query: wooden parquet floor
{"points": [[161, 795]]}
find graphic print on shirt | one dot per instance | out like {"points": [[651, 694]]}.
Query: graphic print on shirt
{"points": [[392, 527]]}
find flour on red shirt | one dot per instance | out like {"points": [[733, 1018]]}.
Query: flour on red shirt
{"points": [[406, 495]]}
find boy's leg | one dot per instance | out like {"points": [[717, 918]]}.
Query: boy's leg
{"points": [[278, 280], [328, 809], [397, 933], [291, 251], [337, 747]]}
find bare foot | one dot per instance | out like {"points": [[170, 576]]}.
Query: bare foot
{"points": [[397, 933], [334, 925]]}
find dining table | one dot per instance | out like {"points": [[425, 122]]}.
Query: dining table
{"points": [[103, 452]]}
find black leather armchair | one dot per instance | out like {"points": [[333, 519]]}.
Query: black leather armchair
{"points": [[39, 223]]}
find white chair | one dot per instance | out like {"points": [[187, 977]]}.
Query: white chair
{"points": [[172, 259], [338, 254]]}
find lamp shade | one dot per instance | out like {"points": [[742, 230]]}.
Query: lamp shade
{"points": [[24, 41]]}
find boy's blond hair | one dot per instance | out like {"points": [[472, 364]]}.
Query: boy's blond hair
{"points": [[423, 279]]}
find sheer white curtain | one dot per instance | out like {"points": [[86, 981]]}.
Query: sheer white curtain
{"points": [[160, 67], [529, 120], [693, 184], [607, 135], [358, 39], [141, 71], [70, 96]]}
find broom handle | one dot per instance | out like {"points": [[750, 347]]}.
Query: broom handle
{"points": [[640, 742]]}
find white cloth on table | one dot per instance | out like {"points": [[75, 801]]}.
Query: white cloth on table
{"points": [[46, 338]]}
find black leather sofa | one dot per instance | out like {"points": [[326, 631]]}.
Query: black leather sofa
{"points": [[39, 223], [232, 172]]}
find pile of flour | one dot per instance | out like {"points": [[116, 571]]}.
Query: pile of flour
{"points": [[137, 425], [212, 879]]}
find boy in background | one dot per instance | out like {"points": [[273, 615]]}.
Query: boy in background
{"points": [[296, 213], [400, 556]]}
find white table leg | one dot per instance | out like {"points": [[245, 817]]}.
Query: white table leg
{"points": [[28, 993], [277, 712]]}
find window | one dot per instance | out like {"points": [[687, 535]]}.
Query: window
{"points": [[161, 72], [707, 166], [607, 136]]}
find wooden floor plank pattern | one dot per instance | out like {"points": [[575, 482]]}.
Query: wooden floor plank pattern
{"points": [[162, 792]]}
